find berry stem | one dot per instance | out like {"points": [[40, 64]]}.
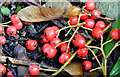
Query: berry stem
{"points": [[95, 69], [107, 27], [6, 23], [93, 47], [69, 29], [86, 28], [102, 47], [47, 69], [61, 43], [107, 41]]}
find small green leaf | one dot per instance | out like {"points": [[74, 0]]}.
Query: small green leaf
{"points": [[5, 11], [18, 8], [115, 72]]}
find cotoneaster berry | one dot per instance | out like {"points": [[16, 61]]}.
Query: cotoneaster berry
{"points": [[49, 33], [55, 42], [2, 40], [19, 25], [96, 12], [87, 65], [82, 52], [55, 29], [11, 31], [33, 69], [89, 23], [84, 17], [119, 33], [73, 20], [64, 57], [114, 34], [100, 24], [97, 32], [10, 74], [79, 41], [31, 44], [1, 29], [63, 47], [2, 69], [49, 50], [43, 39], [90, 5], [14, 19], [26, 75]]}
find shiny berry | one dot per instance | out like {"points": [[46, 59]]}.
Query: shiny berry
{"points": [[100, 24], [63, 47], [82, 52], [2, 40], [49, 50], [14, 19], [90, 5], [55, 42], [87, 65], [55, 29], [33, 69], [11, 31], [18, 25], [64, 57], [43, 39], [10, 74], [31, 44], [97, 32], [114, 34], [73, 20], [89, 23], [79, 41], [119, 33], [84, 17], [2, 69], [1, 29], [96, 12], [50, 33]]}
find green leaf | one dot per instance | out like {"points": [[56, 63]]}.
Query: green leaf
{"points": [[115, 72], [18, 8], [5, 11]]}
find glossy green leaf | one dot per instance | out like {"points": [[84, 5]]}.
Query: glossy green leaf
{"points": [[5, 11], [115, 72], [18, 8]]}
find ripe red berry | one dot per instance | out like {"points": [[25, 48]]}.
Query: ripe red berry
{"points": [[100, 24], [11, 31], [55, 28], [43, 39], [89, 23], [114, 34], [55, 42], [87, 65], [63, 47], [10, 74], [18, 25], [26, 75], [90, 5], [82, 52], [49, 50], [84, 17], [2, 40], [79, 41], [33, 69], [31, 44], [96, 12], [49, 33], [119, 33], [1, 29], [73, 20], [97, 32], [64, 57], [2, 69], [14, 19]]}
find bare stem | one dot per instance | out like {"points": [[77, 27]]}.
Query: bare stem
{"points": [[61, 43], [86, 28], [95, 69], [107, 41]]}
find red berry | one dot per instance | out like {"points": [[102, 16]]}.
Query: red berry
{"points": [[33, 69], [26, 75], [100, 24], [97, 32], [11, 31], [87, 65], [18, 25], [84, 17], [73, 20], [64, 57], [89, 23], [31, 44], [43, 39], [119, 33], [79, 41], [1, 29], [90, 5], [2, 69], [55, 28], [96, 12], [63, 47], [82, 52], [49, 50], [55, 42], [2, 40], [10, 74], [114, 34], [49, 33], [14, 19]]}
